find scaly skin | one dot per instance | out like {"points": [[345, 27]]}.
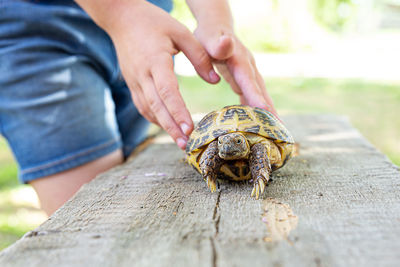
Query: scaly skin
{"points": [[210, 163], [260, 168]]}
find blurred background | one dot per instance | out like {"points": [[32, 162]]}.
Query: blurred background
{"points": [[317, 56]]}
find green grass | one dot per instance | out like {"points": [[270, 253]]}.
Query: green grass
{"points": [[373, 108], [18, 212], [8, 169]]}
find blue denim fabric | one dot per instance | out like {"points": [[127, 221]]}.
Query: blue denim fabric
{"points": [[63, 101]]}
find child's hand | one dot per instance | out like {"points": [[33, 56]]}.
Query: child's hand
{"points": [[233, 59], [236, 64], [146, 38]]}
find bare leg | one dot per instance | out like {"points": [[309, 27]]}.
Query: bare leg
{"points": [[54, 190], [260, 168], [210, 163]]}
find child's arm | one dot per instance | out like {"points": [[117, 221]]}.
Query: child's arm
{"points": [[145, 38], [235, 62]]}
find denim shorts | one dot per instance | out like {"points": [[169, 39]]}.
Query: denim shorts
{"points": [[63, 101]]}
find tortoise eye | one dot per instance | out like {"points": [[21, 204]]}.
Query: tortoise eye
{"points": [[239, 141]]}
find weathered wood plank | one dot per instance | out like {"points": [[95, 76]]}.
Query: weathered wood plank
{"points": [[342, 199]]}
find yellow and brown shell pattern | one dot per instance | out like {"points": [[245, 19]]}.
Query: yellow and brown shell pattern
{"points": [[238, 118]]}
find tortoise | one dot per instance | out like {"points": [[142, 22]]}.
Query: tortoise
{"points": [[239, 143]]}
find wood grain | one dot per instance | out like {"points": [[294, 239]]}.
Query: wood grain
{"points": [[340, 198]]}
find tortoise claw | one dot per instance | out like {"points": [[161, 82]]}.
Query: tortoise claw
{"points": [[260, 168], [257, 191], [254, 191], [259, 187], [211, 184], [262, 185]]}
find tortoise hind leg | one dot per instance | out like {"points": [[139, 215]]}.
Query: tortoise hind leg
{"points": [[210, 163], [260, 168]]}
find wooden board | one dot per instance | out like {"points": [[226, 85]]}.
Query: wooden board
{"points": [[336, 204]]}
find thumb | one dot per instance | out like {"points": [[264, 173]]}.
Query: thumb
{"points": [[218, 45]]}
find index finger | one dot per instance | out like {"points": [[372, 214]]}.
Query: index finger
{"points": [[244, 75], [167, 88], [197, 55], [267, 97], [223, 69]]}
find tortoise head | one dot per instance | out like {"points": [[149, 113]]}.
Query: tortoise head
{"points": [[233, 146]]}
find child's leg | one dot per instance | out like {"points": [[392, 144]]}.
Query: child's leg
{"points": [[54, 190]]}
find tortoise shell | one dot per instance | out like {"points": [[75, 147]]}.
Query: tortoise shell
{"points": [[238, 118]]}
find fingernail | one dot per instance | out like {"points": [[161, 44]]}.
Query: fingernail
{"points": [[181, 142], [185, 128], [223, 37], [269, 107], [213, 76]]}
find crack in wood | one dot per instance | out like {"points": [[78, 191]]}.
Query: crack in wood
{"points": [[216, 205], [214, 252], [217, 225], [178, 207], [216, 219], [217, 215]]}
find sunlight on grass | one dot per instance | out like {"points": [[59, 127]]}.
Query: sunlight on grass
{"points": [[19, 207], [8, 168], [19, 213]]}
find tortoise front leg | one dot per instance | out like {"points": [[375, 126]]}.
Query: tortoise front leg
{"points": [[260, 168], [210, 163]]}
